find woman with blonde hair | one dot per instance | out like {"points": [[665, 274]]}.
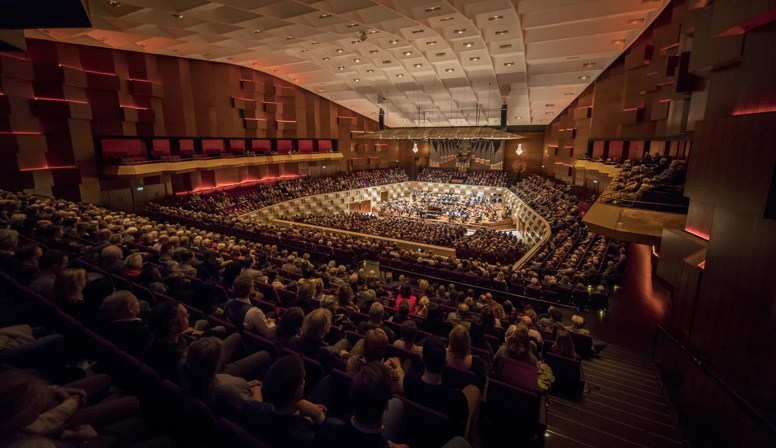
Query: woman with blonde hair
{"points": [[459, 354]]}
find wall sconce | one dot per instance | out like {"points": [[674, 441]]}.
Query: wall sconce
{"points": [[415, 147], [519, 150]]}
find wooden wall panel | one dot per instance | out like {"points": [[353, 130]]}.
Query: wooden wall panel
{"points": [[91, 91]]}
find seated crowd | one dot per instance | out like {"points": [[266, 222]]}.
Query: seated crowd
{"points": [[553, 201], [490, 178], [435, 233], [218, 316], [651, 174], [454, 207], [249, 198]]}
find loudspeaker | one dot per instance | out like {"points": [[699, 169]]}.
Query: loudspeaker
{"points": [[382, 119], [504, 117]]}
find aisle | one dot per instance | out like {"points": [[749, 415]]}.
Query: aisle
{"points": [[624, 405]]}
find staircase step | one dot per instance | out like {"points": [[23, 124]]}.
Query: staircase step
{"points": [[625, 406]]}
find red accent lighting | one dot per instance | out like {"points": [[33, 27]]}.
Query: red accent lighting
{"points": [[133, 107], [21, 133], [43, 168], [87, 71], [62, 100], [755, 110], [696, 232]]}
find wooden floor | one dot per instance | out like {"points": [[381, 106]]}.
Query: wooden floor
{"points": [[624, 404]]}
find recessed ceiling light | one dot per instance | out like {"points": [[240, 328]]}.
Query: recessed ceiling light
{"points": [[357, 60], [355, 42], [370, 70], [320, 90], [518, 118], [431, 42], [256, 31], [459, 31], [474, 59], [339, 50], [387, 61], [340, 67], [178, 16], [400, 75], [255, 64], [636, 21], [356, 79], [500, 32], [324, 59], [315, 42], [393, 41], [448, 70], [468, 44], [374, 51], [407, 53], [504, 46], [569, 93], [588, 64], [114, 4], [405, 121], [417, 31], [324, 16], [439, 55], [142, 45], [446, 19], [433, 8], [304, 50], [274, 70], [372, 32], [549, 105], [294, 79], [618, 41], [204, 54], [418, 65], [289, 37], [549, 113], [353, 25], [583, 77], [498, 17], [508, 64]]}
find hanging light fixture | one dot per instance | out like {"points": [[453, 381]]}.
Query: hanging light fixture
{"points": [[415, 148], [519, 150]]}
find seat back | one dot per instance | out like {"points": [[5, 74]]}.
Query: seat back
{"points": [[583, 344], [457, 378], [234, 436], [516, 373], [425, 427], [568, 374], [514, 416], [189, 419]]}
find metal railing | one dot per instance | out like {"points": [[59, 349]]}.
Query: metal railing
{"points": [[618, 198]]}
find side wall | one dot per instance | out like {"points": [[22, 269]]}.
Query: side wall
{"points": [[56, 97], [706, 68]]}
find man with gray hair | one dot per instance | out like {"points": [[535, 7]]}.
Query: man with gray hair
{"points": [[121, 323]]}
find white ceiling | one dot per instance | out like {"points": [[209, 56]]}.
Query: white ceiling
{"points": [[455, 60]]}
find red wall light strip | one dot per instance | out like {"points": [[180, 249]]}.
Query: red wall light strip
{"points": [[21, 133], [630, 109], [256, 119], [755, 110], [14, 57], [87, 71], [62, 100], [133, 107], [696, 232], [244, 99], [43, 168], [286, 121]]}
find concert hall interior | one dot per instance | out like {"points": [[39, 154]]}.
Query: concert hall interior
{"points": [[458, 223]]}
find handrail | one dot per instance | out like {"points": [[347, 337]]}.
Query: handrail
{"points": [[608, 197], [706, 367], [483, 288]]}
